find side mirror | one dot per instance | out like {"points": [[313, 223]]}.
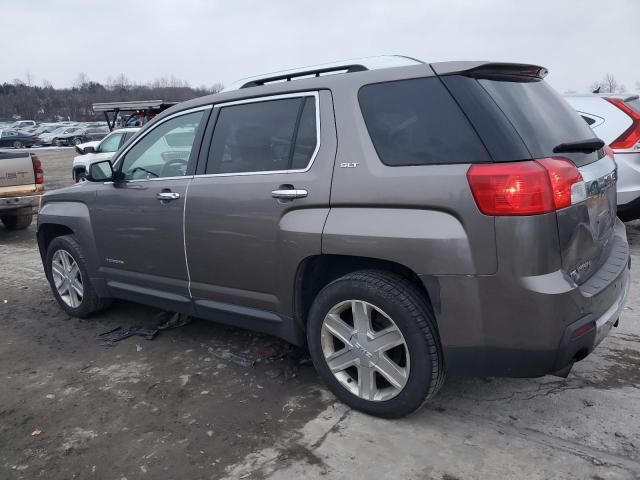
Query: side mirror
{"points": [[85, 150], [100, 172]]}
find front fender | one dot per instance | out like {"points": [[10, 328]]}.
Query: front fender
{"points": [[74, 216]]}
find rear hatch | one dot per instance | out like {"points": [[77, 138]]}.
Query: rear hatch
{"points": [[16, 170], [520, 117]]}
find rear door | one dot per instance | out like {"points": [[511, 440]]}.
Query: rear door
{"points": [[259, 203]]}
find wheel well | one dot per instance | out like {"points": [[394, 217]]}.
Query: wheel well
{"points": [[49, 231], [317, 271]]}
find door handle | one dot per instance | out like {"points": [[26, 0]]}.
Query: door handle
{"points": [[289, 193], [167, 196]]}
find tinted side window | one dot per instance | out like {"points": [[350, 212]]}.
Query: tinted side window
{"points": [[416, 122], [273, 135], [590, 121], [164, 151], [306, 137]]}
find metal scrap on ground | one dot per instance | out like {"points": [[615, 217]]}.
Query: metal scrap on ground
{"points": [[117, 334]]}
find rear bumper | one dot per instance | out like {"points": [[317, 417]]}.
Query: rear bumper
{"points": [[23, 205], [528, 326], [583, 336]]}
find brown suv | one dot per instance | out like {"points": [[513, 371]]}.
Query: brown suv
{"points": [[399, 218]]}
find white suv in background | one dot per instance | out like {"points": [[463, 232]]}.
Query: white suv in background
{"points": [[615, 118], [92, 152]]}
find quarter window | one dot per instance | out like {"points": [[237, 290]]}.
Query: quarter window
{"points": [[417, 122], [272, 135], [164, 151]]}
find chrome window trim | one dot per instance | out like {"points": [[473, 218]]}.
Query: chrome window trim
{"points": [[314, 94], [151, 129]]}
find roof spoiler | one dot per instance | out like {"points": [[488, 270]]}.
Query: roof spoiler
{"points": [[491, 70]]}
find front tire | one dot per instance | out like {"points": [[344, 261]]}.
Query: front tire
{"points": [[16, 222], [65, 267], [373, 339], [18, 144], [76, 141]]}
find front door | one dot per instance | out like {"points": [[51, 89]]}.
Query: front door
{"points": [[258, 207], [138, 222]]}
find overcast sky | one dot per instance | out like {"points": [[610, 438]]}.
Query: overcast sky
{"points": [[209, 41]]}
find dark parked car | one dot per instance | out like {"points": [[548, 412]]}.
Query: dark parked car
{"points": [[81, 135], [15, 139], [398, 218]]}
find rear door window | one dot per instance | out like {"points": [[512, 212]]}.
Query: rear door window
{"points": [[264, 136], [417, 122]]}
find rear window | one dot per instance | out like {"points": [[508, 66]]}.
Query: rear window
{"points": [[541, 116], [417, 122], [634, 104]]}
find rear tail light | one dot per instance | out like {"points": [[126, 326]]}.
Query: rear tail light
{"points": [[526, 188], [630, 138], [37, 169]]}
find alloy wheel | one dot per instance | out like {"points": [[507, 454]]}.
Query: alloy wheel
{"points": [[365, 350], [67, 278]]}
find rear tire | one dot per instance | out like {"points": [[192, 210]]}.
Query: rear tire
{"points": [[404, 373], [16, 222], [65, 267]]}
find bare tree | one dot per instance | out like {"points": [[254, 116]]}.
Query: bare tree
{"points": [[46, 84], [81, 80], [28, 76], [121, 82], [609, 83]]}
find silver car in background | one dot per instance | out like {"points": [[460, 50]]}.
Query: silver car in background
{"points": [[615, 118]]}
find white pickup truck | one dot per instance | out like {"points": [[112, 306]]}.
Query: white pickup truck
{"points": [[21, 184]]}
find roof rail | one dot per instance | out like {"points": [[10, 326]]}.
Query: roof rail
{"points": [[348, 66]]}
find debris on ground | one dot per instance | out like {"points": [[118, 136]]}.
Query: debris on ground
{"points": [[109, 338], [36, 432], [241, 360], [117, 334]]}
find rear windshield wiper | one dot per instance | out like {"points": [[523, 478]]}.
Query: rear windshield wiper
{"points": [[586, 146]]}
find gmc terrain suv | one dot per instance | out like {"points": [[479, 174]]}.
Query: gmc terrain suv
{"points": [[400, 219]]}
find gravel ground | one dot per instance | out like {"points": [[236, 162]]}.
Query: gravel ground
{"points": [[178, 407]]}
